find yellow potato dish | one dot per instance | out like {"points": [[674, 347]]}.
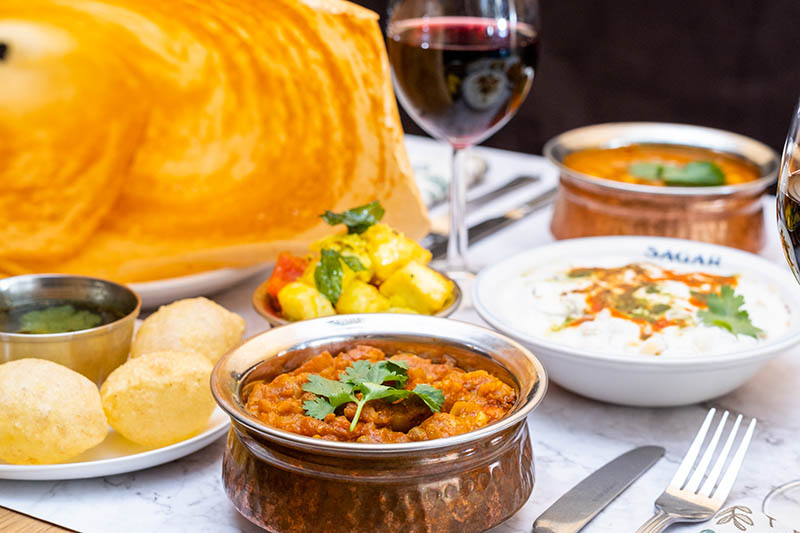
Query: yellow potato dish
{"points": [[370, 269]]}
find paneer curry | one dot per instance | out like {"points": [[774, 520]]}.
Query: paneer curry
{"points": [[370, 269], [415, 398]]}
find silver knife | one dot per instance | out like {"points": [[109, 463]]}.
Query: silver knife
{"points": [[582, 502], [437, 242]]}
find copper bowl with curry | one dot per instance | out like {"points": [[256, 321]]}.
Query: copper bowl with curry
{"points": [[671, 180], [404, 465]]}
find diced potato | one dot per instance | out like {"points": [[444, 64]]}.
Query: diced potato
{"points": [[417, 287], [352, 245], [361, 297], [301, 302], [308, 274], [390, 250]]}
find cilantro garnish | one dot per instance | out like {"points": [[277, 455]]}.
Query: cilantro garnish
{"points": [[696, 173], [328, 274], [366, 379], [357, 219], [724, 311]]}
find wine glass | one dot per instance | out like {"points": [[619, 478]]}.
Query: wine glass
{"points": [[461, 68], [783, 503]]}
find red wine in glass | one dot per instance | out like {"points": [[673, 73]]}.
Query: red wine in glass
{"points": [[462, 78]]}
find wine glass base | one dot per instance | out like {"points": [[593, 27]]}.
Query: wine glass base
{"points": [[783, 504]]}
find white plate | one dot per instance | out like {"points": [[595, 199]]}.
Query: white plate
{"points": [[164, 291], [642, 380], [117, 455]]}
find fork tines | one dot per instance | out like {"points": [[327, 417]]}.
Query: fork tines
{"points": [[692, 486]]}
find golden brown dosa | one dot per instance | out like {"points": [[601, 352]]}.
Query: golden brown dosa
{"points": [[152, 139]]}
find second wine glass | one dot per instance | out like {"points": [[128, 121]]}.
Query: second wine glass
{"points": [[461, 68]]}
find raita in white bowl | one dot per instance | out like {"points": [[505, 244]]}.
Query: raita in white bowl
{"points": [[643, 320]]}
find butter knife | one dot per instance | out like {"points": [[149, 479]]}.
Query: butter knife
{"points": [[437, 242], [582, 502]]}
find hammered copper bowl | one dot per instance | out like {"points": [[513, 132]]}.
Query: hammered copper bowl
{"points": [[286, 482], [588, 206], [263, 306]]}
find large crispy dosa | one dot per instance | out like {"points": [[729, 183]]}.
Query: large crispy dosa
{"points": [[156, 138]]}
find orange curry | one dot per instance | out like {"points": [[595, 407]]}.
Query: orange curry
{"points": [[472, 400], [614, 163]]}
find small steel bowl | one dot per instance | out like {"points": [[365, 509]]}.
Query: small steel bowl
{"points": [[588, 206], [285, 482], [93, 352], [262, 305]]}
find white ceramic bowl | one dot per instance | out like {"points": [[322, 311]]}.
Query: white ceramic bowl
{"points": [[642, 380]]}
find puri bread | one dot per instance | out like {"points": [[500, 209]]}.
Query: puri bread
{"points": [[48, 413], [148, 139], [159, 398], [191, 325]]}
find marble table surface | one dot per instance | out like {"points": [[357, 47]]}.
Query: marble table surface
{"points": [[572, 436]]}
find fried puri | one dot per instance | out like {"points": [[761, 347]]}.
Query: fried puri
{"points": [[159, 398], [48, 413], [192, 325]]}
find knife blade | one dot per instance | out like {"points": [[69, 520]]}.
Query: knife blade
{"points": [[582, 502], [437, 242]]}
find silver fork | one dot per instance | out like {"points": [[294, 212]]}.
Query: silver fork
{"points": [[687, 501]]}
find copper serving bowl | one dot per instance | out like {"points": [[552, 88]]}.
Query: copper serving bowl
{"points": [[285, 482], [263, 306], [589, 206]]}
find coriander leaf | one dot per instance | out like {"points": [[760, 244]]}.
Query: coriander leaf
{"points": [[357, 219], [387, 371], [724, 311], [433, 397], [318, 408], [373, 391], [356, 373], [396, 365], [659, 309], [353, 262], [696, 173], [580, 272], [328, 275], [338, 393], [364, 371], [369, 391], [646, 171]]}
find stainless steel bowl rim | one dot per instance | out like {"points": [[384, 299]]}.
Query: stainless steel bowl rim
{"points": [[48, 337], [266, 311], [769, 170], [427, 323]]}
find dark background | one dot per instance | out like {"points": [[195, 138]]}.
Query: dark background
{"points": [[730, 64]]}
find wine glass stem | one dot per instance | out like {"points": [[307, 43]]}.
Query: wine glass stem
{"points": [[458, 242]]}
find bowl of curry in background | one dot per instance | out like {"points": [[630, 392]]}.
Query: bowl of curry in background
{"points": [[285, 481], [83, 323], [670, 180]]}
